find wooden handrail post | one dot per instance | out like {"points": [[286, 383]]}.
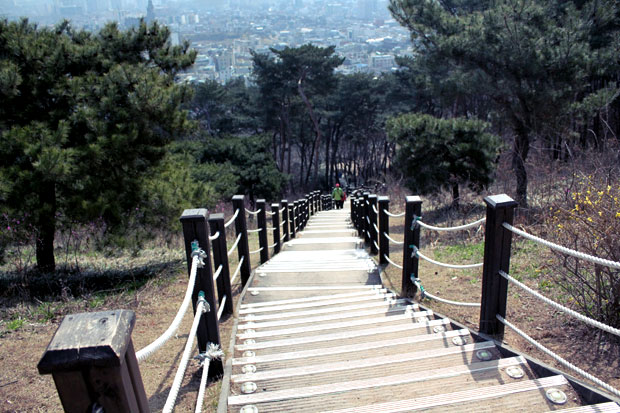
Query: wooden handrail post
{"points": [[220, 257], [355, 211], [275, 219], [241, 227], [366, 218], [195, 228], [310, 206], [297, 215], [413, 212], [285, 219], [318, 201], [291, 218], [384, 227], [372, 215], [92, 360], [263, 239], [497, 243]]}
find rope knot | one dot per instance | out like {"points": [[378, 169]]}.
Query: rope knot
{"points": [[417, 283], [414, 252], [213, 352], [414, 223]]}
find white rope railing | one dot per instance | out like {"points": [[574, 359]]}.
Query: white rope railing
{"points": [[232, 249], [253, 212], [178, 378], [274, 244], [560, 307], [374, 209], [231, 220], [443, 300], [144, 353], [368, 219], [457, 228], [218, 272], [220, 310], [282, 237], [281, 210], [233, 278], [251, 231], [214, 236], [213, 352], [558, 358], [564, 250], [272, 213], [282, 224], [376, 245], [257, 251], [396, 215], [392, 240], [441, 264], [400, 267], [376, 227]]}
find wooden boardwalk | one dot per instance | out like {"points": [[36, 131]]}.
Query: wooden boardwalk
{"points": [[317, 332]]}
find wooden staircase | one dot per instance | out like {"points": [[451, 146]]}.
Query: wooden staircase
{"points": [[316, 332]]}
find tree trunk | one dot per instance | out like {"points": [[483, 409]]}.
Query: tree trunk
{"points": [[315, 122], [455, 195], [46, 228], [520, 151]]}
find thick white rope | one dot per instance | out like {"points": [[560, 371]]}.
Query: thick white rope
{"points": [[226, 225], [443, 300], [375, 209], [251, 231], [388, 213], [393, 240], [230, 251], [274, 244], [271, 213], [218, 272], [458, 228], [558, 358], [400, 267], [564, 250], [220, 310], [257, 251], [560, 307], [376, 245], [213, 352], [441, 264], [282, 224], [253, 212], [282, 237], [367, 219], [232, 279], [203, 385], [144, 353], [376, 227], [214, 236], [178, 378], [281, 210]]}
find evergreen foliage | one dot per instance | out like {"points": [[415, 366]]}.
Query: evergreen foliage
{"points": [[435, 154], [83, 117], [526, 62]]}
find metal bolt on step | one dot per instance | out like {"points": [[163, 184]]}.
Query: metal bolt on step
{"points": [[556, 396], [250, 408], [248, 354], [248, 387], [262, 274], [484, 355], [439, 329], [249, 369], [250, 341], [515, 372], [459, 341], [254, 292]]}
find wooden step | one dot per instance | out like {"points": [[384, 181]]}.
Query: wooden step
{"points": [[358, 351], [334, 298], [595, 408]]}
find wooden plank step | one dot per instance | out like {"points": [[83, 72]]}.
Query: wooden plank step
{"points": [[609, 407], [358, 351], [377, 297], [266, 294], [348, 336], [323, 240], [330, 298], [348, 325], [523, 395], [374, 383], [441, 357], [326, 314]]}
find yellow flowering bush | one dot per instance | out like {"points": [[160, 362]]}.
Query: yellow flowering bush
{"points": [[589, 221]]}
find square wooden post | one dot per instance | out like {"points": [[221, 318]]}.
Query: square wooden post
{"points": [[384, 227], [241, 227], [413, 212], [263, 236]]}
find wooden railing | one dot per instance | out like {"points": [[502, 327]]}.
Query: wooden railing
{"points": [[91, 356]]}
